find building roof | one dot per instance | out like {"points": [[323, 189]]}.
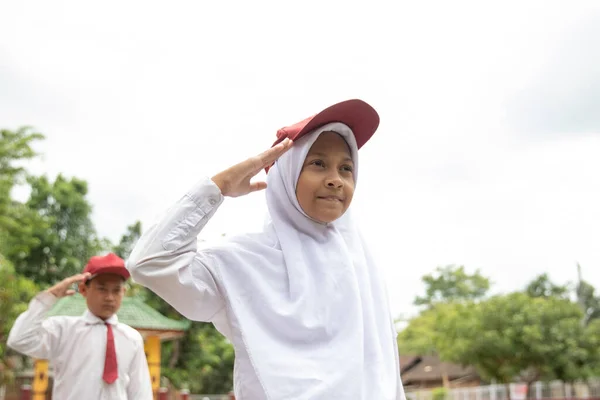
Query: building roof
{"points": [[431, 368], [408, 361], [133, 312]]}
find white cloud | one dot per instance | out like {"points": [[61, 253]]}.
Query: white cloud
{"points": [[563, 97]]}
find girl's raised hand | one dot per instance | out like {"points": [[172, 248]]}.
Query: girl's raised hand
{"points": [[235, 181]]}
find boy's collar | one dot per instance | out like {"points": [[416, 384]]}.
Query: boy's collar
{"points": [[91, 319]]}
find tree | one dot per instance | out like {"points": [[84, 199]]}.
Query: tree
{"points": [[419, 336], [206, 361], [123, 249], [448, 291], [543, 287], [452, 283], [515, 334], [592, 344], [15, 226], [507, 337], [128, 240], [65, 237], [15, 293], [427, 333], [16, 146], [15, 219], [587, 299]]}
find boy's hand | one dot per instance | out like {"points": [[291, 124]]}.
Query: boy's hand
{"points": [[63, 288]]}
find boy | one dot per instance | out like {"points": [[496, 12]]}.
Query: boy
{"points": [[93, 356]]}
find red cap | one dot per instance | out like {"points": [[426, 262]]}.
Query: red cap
{"points": [[108, 264], [356, 114]]}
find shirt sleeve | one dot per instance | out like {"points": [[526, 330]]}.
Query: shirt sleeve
{"points": [[140, 385], [167, 261], [32, 334]]}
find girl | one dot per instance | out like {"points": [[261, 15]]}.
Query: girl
{"points": [[302, 302]]}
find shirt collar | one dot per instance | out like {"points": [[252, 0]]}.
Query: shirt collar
{"points": [[91, 319]]}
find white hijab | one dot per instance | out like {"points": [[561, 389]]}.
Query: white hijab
{"points": [[311, 305]]}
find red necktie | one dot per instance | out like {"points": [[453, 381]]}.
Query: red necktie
{"points": [[110, 362]]}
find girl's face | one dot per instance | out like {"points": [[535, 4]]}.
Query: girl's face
{"points": [[326, 183]]}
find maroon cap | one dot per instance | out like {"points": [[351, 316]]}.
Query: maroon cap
{"points": [[356, 114], [108, 264]]}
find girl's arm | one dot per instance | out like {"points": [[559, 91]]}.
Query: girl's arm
{"points": [[166, 258]]}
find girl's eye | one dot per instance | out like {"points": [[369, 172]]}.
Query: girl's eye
{"points": [[347, 168], [318, 163]]}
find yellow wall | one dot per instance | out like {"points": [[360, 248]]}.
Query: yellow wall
{"points": [[152, 349], [40, 380]]}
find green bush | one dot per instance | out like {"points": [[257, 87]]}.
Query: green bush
{"points": [[440, 393]]}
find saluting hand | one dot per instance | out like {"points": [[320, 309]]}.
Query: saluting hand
{"points": [[62, 288], [235, 181]]}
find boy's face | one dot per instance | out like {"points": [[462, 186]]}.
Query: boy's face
{"points": [[326, 183], [104, 294]]}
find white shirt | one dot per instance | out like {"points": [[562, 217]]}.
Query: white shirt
{"points": [[76, 347], [166, 260]]}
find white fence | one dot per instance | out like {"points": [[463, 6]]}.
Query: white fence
{"points": [[518, 391]]}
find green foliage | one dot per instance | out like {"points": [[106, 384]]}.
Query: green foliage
{"points": [[516, 333], [49, 236], [15, 219], [424, 333], [205, 364], [16, 147], [15, 224], [533, 335], [452, 283], [15, 293], [64, 235], [592, 345], [543, 287], [588, 301], [128, 240], [202, 361], [440, 393]]}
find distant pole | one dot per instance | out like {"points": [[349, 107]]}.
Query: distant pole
{"points": [[580, 295]]}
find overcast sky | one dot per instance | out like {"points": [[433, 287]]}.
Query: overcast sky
{"points": [[487, 154]]}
